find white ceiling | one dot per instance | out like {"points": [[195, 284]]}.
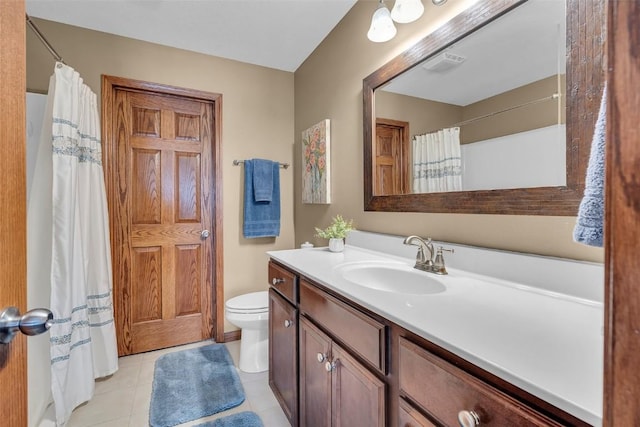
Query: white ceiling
{"points": [[278, 34], [523, 46]]}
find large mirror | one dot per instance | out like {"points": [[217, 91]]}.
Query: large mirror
{"points": [[472, 118]]}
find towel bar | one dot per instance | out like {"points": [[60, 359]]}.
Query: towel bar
{"points": [[282, 165]]}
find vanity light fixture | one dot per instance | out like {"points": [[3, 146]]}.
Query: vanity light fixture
{"points": [[382, 28], [403, 12]]}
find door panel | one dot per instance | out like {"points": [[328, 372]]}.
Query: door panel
{"points": [[315, 381], [145, 187], [188, 187], [188, 268], [164, 177], [283, 354], [358, 395], [146, 269], [13, 213]]}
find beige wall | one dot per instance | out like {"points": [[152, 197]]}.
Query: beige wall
{"points": [[257, 121], [423, 115], [329, 85], [426, 116], [530, 117]]}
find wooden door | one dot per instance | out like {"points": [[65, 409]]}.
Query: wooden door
{"points": [[162, 177], [357, 396], [283, 354], [622, 228], [315, 380], [13, 203], [391, 157]]}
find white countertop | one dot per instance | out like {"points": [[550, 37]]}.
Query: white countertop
{"points": [[547, 343]]}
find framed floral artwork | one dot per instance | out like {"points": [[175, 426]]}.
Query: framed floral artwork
{"points": [[315, 164]]}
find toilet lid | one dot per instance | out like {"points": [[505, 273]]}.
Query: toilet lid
{"points": [[251, 302]]}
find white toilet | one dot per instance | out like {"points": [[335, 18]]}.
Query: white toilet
{"points": [[250, 312]]}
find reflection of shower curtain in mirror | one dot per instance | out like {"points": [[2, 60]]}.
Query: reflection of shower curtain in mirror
{"points": [[83, 341], [437, 162]]}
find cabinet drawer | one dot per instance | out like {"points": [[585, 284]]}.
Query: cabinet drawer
{"points": [[410, 417], [284, 282], [443, 391], [357, 331]]}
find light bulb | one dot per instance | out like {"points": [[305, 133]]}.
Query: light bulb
{"points": [[382, 28], [405, 11]]}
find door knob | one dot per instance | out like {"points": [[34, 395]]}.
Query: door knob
{"points": [[205, 234], [33, 322]]}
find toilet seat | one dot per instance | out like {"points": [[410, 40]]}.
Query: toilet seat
{"points": [[254, 302]]}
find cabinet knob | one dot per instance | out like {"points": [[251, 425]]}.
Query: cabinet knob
{"points": [[321, 357], [468, 419], [277, 281], [330, 366], [288, 323]]}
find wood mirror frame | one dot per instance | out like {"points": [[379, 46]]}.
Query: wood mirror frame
{"points": [[586, 26]]}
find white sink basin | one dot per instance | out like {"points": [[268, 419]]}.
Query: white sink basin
{"points": [[391, 277]]}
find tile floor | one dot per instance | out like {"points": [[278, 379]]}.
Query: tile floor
{"points": [[123, 399]]}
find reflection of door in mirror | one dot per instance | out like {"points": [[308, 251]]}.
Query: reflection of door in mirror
{"points": [[391, 157]]}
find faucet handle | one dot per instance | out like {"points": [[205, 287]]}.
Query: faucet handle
{"points": [[438, 262]]}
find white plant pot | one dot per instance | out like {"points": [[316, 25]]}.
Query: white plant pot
{"points": [[336, 245]]}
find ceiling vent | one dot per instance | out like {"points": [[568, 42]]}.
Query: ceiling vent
{"points": [[443, 62]]}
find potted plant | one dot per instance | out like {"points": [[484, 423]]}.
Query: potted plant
{"points": [[336, 232]]}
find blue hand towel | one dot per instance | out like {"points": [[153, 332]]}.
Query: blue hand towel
{"points": [[590, 224], [263, 180], [261, 219]]}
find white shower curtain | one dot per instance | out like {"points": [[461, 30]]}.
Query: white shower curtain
{"points": [[83, 340], [437, 162]]}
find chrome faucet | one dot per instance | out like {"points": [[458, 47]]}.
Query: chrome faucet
{"points": [[432, 263], [422, 262]]}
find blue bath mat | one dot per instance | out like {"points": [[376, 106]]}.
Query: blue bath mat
{"points": [[192, 384], [241, 419]]}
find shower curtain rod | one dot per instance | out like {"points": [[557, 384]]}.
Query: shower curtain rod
{"points": [[44, 40], [475, 119]]}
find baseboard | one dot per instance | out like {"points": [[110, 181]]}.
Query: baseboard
{"points": [[232, 336]]}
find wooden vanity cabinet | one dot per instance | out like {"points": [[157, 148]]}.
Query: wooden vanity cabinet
{"points": [[335, 389], [283, 340], [346, 366]]}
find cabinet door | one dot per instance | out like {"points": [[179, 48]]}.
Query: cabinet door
{"points": [[358, 395], [283, 354], [315, 380]]}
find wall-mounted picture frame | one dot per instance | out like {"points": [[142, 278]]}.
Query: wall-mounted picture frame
{"points": [[316, 183]]}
